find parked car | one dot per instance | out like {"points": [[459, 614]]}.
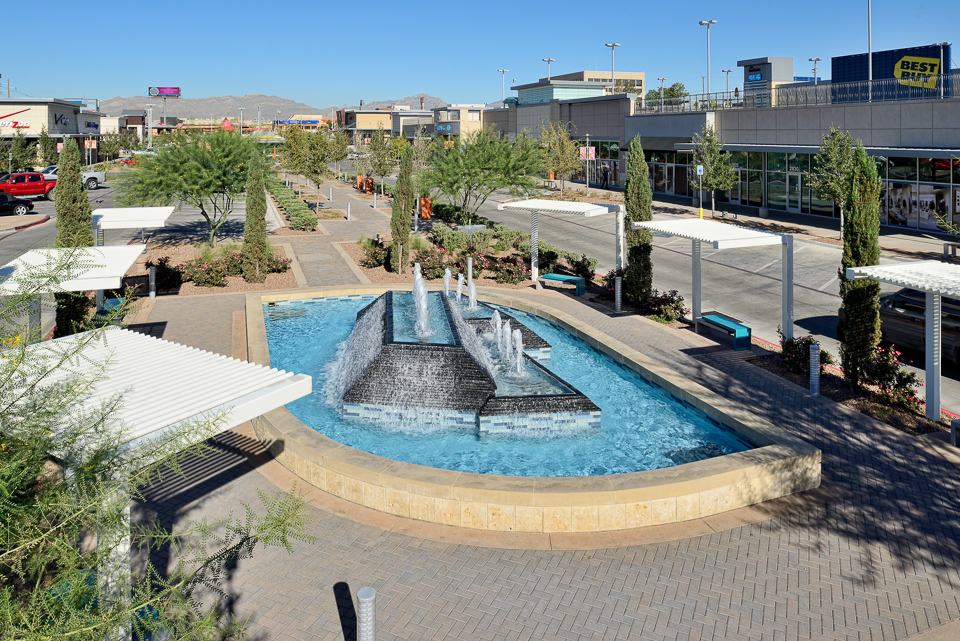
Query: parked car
{"points": [[91, 179], [127, 161], [28, 184], [18, 206]]}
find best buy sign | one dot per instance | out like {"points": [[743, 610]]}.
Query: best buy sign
{"points": [[914, 71]]}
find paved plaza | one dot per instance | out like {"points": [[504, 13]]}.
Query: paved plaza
{"points": [[876, 557]]}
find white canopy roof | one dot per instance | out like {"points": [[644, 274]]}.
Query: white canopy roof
{"points": [[131, 217], [87, 268], [560, 207], [925, 276], [720, 235], [164, 384]]}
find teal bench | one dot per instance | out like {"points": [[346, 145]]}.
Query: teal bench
{"points": [[741, 333], [576, 280]]}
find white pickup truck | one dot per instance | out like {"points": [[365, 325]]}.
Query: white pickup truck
{"points": [[91, 179]]}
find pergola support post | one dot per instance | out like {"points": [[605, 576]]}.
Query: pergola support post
{"points": [[787, 284], [99, 299], [934, 335], [113, 575], [697, 280], [534, 248]]}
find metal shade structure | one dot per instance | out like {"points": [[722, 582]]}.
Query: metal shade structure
{"points": [[936, 280], [537, 206], [723, 236], [96, 268], [131, 217]]}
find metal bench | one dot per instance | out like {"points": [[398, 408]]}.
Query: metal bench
{"points": [[563, 278], [742, 334]]}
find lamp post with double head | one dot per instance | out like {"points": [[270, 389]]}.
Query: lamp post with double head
{"points": [[707, 23], [662, 80], [503, 84], [728, 72], [814, 61], [548, 61], [613, 83]]}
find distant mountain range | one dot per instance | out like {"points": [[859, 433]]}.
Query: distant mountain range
{"points": [[228, 106]]}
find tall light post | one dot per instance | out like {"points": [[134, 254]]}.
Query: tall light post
{"points": [[258, 118], [814, 61], [707, 23], [613, 47], [548, 61], [728, 72], [503, 84], [278, 120], [662, 80], [586, 167], [150, 125], [240, 109]]}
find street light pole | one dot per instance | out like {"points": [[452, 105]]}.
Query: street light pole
{"points": [[662, 80], [240, 109], [548, 61], [869, 51], [149, 125], [707, 23], [814, 61], [613, 47], [727, 71], [503, 84], [258, 118]]}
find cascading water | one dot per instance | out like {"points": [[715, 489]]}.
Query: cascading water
{"points": [[507, 341], [472, 295], [459, 287], [518, 344], [420, 299], [471, 342], [446, 282], [495, 328], [356, 353]]}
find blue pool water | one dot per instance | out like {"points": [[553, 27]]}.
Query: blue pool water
{"points": [[644, 427]]}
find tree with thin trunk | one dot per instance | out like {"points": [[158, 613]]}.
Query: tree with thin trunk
{"points": [[74, 224], [859, 326], [339, 141], [381, 158], [253, 253], [638, 201], [24, 152], [207, 171], [832, 168], [718, 173], [561, 155], [48, 148], [403, 203]]}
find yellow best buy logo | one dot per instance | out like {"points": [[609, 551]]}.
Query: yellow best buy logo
{"points": [[914, 71]]}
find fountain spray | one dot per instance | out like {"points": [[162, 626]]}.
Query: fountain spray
{"points": [[518, 342]]}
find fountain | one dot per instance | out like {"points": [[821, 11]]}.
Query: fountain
{"points": [[518, 344], [472, 296], [459, 287], [446, 282], [495, 328], [507, 340], [420, 300]]}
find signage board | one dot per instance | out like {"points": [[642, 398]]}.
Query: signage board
{"points": [[754, 77], [447, 128], [164, 92], [588, 153], [89, 144], [914, 69], [59, 147], [699, 170]]}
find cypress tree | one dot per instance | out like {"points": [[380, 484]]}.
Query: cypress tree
{"points": [[48, 148], [253, 253], [74, 222], [638, 275], [859, 328], [403, 202]]}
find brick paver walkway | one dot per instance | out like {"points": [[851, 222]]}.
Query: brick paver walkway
{"points": [[878, 562]]}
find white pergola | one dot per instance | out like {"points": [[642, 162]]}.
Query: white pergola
{"points": [[130, 218], [165, 387], [79, 270], [724, 236], [587, 210], [935, 280]]}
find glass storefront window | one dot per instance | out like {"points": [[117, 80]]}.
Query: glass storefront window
{"points": [[670, 157], [798, 163], [755, 179], [755, 160], [956, 171], [881, 166], [684, 158], [614, 150], [776, 189], [658, 156], [902, 168], [932, 204], [776, 162], [807, 196], [926, 169], [941, 170], [820, 206], [739, 159], [901, 205], [683, 185], [648, 155], [659, 178]]}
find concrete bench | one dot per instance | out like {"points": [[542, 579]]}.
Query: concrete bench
{"points": [[576, 280], [950, 250], [741, 333]]}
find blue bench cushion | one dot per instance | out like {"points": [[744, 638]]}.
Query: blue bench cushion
{"points": [[563, 277], [741, 333]]}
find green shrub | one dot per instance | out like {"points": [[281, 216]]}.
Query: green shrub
{"points": [[897, 386], [582, 266], [480, 262], [433, 261], [610, 283], [665, 307], [511, 270], [444, 211], [374, 256], [795, 353]]}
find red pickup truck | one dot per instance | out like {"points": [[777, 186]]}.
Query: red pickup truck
{"points": [[27, 184]]}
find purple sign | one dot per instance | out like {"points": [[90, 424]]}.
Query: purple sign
{"points": [[165, 92]]}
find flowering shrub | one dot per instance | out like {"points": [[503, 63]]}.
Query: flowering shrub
{"points": [[374, 256], [511, 270], [795, 352], [433, 260], [665, 307], [213, 272], [582, 266], [480, 262], [897, 386], [610, 282]]}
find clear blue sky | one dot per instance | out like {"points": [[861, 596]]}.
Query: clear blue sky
{"points": [[330, 54]]}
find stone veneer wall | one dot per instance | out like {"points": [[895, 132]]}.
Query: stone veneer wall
{"points": [[780, 465]]}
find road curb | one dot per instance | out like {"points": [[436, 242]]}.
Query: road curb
{"points": [[14, 230]]}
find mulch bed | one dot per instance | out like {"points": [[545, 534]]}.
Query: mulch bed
{"points": [[834, 387]]}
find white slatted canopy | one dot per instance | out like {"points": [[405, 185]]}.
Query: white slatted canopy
{"points": [[131, 217], [725, 236], [560, 207], [96, 268], [936, 280], [165, 385]]}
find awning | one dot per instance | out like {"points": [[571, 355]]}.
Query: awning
{"points": [[131, 217], [87, 268], [560, 207]]}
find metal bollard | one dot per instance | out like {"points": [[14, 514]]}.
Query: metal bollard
{"points": [[331, 193], [469, 269], [153, 281], [618, 294], [814, 370], [348, 211], [367, 616]]}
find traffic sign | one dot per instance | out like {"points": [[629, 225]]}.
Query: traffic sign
{"points": [[699, 170]]}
